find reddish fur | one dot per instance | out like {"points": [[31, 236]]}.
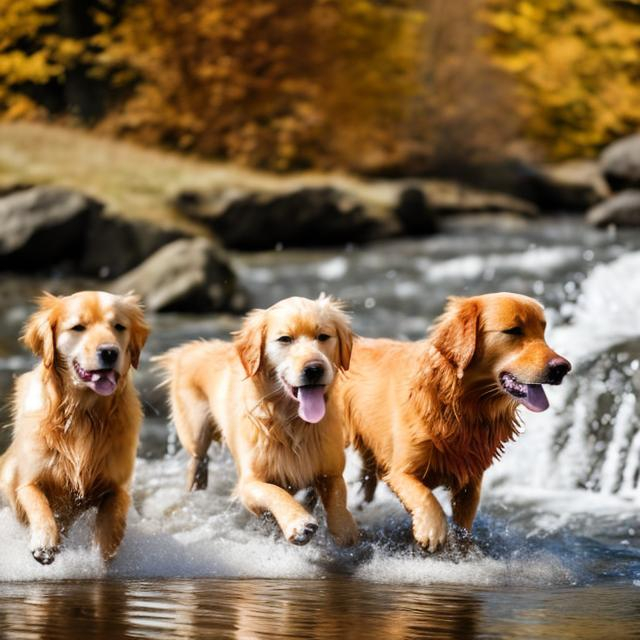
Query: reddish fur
{"points": [[431, 413]]}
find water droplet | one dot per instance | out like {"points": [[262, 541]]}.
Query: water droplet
{"points": [[369, 303]]}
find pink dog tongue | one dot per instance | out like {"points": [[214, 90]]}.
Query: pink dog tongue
{"points": [[536, 398], [103, 382], [311, 401]]}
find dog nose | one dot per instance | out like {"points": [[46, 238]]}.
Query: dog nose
{"points": [[313, 372], [108, 354], [557, 369]]}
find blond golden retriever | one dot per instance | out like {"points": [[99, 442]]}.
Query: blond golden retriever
{"points": [[76, 418], [439, 411], [269, 396]]}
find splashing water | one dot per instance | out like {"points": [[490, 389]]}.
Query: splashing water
{"points": [[561, 507]]}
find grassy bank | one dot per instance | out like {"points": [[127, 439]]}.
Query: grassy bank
{"points": [[137, 182]]}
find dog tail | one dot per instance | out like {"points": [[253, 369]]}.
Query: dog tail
{"points": [[164, 366]]}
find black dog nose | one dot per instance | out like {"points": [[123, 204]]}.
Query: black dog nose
{"points": [[557, 369], [313, 372], [108, 354]]}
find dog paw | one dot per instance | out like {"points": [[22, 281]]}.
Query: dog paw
{"points": [[430, 530], [45, 555], [302, 531]]}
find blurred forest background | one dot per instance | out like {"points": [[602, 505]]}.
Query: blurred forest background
{"points": [[376, 87]]}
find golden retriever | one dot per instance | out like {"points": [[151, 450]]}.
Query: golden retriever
{"points": [[269, 396], [76, 418], [438, 411]]}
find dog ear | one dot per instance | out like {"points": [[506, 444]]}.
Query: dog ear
{"points": [[249, 341], [344, 334], [39, 332], [139, 330], [455, 333]]}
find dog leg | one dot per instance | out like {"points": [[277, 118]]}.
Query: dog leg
{"points": [[429, 520], [45, 537], [198, 473], [196, 430], [111, 521], [464, 504], [368, 475], [342, 526], [297, 524]]}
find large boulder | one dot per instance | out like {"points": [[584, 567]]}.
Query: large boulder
{"points": [[622, 209], [620, 163], [252, 219], [187, 275], [43, 226], [115, 245]]}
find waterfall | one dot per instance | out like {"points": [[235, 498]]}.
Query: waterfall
{"points": [[590, 438]]}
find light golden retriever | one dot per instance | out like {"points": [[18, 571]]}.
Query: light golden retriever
{"points": [[269, 396], [76, 418], [437, 412]]}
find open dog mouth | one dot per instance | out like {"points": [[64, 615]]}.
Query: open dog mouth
{"points": [[102, 381], [310, 398], [531, 396]]}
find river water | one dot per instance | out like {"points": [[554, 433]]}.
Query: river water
{"points": [[558, 533]]}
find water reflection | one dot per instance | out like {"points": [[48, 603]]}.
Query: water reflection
{"points": [[243, 610], [334, 608]]}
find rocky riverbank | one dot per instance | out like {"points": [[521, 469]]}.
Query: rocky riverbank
{"points": [[62, 239]]}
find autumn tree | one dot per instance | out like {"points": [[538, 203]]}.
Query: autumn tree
{"points": [[577, 67], [274, 84], [52, 56], [461, 113]]}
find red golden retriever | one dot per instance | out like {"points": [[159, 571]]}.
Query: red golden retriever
{"points": [[76, 418], [437, 412]]}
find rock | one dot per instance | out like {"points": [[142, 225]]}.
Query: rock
{"points": [[190, 275], [115, 245], [620, 163], [43, 226], [571, 186], [297, 217], [6, 189], [622, 209], [447, 197], [414, 213]]}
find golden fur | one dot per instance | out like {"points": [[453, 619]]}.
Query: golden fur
{"points": [[73, 448], [239, 392], [433, 413]]}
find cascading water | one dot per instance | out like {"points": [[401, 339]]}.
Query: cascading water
{"points": [[590, 439]]}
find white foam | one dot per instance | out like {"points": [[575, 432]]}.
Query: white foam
{"points": [[172, 533], [538, 262], [607, 310]]}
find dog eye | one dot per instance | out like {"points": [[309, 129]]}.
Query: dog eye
{"points": [[120, 328], [323, 337], [79, 328], [514, 331], [285, 339]]}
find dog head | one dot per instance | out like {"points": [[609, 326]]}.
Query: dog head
{"points": [[499, 339], [300, 344], [91, 338]]}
